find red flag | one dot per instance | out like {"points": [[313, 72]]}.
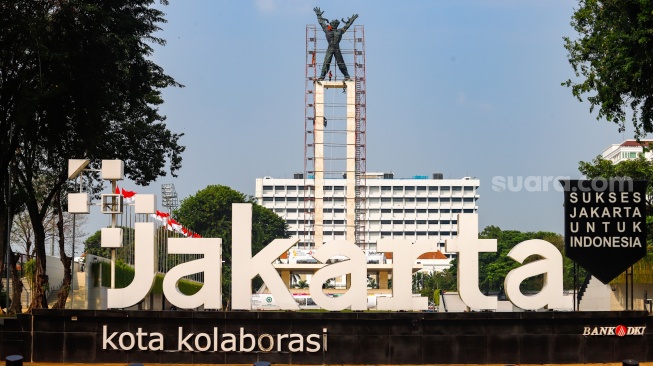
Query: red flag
{"points": [[128, 194]]}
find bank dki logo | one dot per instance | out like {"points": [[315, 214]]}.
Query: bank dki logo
{"points": [[619, 331]]}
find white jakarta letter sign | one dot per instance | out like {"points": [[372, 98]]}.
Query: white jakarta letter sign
{"points": [[210, 264], [144, 270], [550, 266], [404, 255], [145, 264], [468, 245], [356, 296], [245, 267]]}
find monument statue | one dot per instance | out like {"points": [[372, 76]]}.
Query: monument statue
{"points": [[333, 36]]}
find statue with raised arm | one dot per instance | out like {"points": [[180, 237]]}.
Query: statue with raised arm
{"points": [[333, 36]]}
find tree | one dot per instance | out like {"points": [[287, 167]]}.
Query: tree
{"points": [[22, 234], [78, 81], [208, 213], [302, 284], [63, 228], [92, 245], [613, 55], [428, 284], [636, 169], [639, 168]]}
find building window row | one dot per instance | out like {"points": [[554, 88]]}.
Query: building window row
{"points": [[376, 222], [333, 222], [418, 222], [372, 212], [403, 200], [284, 188], [377, 200], [304, 222], [384, 234], [388, 234], [392, 188], [421, 210], [330, 233], [385, 210]]}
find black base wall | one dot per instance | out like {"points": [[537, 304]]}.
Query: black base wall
{"points": [[76, 336]]}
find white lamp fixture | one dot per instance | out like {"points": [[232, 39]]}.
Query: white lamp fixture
{"points": [[113, 170]]}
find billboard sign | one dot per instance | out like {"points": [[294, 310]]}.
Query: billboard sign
{"points": [[605, 224]]}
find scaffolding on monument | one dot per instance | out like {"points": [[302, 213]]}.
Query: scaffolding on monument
{"points": [[335, 130]]}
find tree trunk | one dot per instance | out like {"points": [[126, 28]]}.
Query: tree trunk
{"points": [[62, 296], [3, 242], [17, 291], [39, 299]]}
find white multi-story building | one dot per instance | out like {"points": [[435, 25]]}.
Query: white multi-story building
{"points": [[402, 208], [626, 150]]}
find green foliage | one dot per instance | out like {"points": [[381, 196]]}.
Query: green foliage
{"points": [[125, 275], [29, 269], [436, 297], [187, 287], [432, 284], [642, 270], [301, 284], [445, 280], [330, 283], [92, 244], [636, 169], [371, 282], [209, 213], [613, 55]]}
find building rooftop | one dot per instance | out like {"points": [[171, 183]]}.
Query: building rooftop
{"points": [[635, 143]]}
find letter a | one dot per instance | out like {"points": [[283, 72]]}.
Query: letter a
{"points": [[356, 296], [211, 264], [551, 266]]}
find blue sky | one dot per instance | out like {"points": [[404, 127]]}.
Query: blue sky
{"points": [[465, 88]]}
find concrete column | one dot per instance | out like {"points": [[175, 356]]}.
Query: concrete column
{"points": [[318, 130], [351, 162], [285, 277], [350, 196], [383, 280]]}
